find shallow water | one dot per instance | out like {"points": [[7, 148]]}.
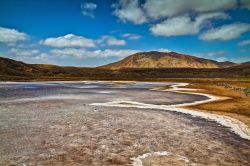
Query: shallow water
{"points": [[54, 123]]}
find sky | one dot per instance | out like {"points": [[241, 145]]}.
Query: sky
{"points": [[97, 32]]}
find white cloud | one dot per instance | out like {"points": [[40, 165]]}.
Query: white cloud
{"points": [[11, 35], [240, 59], [111, 41], [120, 53], [23, 52], [168, 8], [83, 53], [245, 4], [184, 25], [222, 59], [59, 56], [137, 13], [106, 53], [88, 9], [226, 32], [41, 58], [163, 50], [115, 42], [29, 55], [244, 43], [131, 36], [72, 52], [129, 10], [216, 53], [69, 40]]}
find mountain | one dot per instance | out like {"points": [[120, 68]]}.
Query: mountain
{"points": [[9, 67], [246, 63], [226, 64], [17, 70], [154, 59]]}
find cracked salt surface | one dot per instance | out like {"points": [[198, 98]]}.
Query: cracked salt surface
{"points": [[63, 128], [235, 125]]}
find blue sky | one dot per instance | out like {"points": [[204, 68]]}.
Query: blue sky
{"points": [[97, 32]]}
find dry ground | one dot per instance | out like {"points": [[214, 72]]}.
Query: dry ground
{"points": [[71, 132], [238, 104]]}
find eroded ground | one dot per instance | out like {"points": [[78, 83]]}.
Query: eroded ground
{"points": [[54, 124]]}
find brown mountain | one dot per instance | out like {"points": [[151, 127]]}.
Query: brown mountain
{"points": [[154, 59], [246, 63], [17, 70], [9, 67], [226, 64]]}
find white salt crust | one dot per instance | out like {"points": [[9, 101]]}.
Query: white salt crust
{"points": [[235, 125]]}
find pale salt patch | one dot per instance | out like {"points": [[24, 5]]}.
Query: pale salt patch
{"points": [[138, 160], [235, 125], [87, 87]]}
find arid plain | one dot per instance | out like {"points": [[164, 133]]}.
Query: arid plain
{"points": [[61, 123]]}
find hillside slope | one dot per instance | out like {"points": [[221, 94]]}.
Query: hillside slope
{"points": [[17, 70], [154, 59], [10, 67]]}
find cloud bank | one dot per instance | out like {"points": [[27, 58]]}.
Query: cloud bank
{"points": [[69, 40], [11, 35], [182, 17], [183, 25], [226, 32]]}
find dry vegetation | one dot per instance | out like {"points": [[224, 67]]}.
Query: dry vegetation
{"points": [[237, 106]]}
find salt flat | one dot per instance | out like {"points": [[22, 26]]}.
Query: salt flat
{"points": [[57, 123]]}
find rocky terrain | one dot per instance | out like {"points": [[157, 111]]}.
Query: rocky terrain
{"points": [[140, 66], [154, 59]]}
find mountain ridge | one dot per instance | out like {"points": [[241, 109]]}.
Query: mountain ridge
{"points": [[155, 59], [17, 70]]}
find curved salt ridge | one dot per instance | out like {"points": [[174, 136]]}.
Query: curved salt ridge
{"points": [[138, 160], [87, 87], [235, 125]]}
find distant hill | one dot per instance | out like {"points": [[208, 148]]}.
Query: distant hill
{"points": [[154, 59], [246, 63], [226, 64], [9, 67], [17, 70]]}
